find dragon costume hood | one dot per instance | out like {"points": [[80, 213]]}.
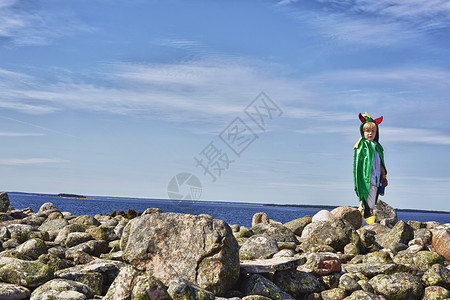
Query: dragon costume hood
{"points": [[364, 151], [366, 119]]}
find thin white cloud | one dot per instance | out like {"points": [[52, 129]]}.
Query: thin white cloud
{"points": [[28, 124], [31, 161], [201, 89], [183, 43], [360, 31], [372, 23], [426, 15], [285, 2], [317, 114], [430, 77], [31, 26], [423, 136], [19, 134]]}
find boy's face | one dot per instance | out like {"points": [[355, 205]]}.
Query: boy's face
{"points": [[370, 134]]}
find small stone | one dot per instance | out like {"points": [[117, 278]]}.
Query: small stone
{"points": [[333, 294], [436, 293]]}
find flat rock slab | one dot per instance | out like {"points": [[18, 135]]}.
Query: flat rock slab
{"points": [[370, 270], [271, 265]]}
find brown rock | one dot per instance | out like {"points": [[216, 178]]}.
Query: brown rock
{"points": [[441, 243], [259, 218], [320, 264], [350, 214]]}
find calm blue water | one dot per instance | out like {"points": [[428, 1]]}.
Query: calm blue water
{"points": [[230, 212]]}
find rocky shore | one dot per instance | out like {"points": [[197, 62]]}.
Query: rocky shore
{"points": [[51, 254]]}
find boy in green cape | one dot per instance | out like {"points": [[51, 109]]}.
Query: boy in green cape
{"points": [[369, 171]]}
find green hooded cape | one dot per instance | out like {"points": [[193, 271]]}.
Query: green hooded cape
{"points": [[364, 151]]}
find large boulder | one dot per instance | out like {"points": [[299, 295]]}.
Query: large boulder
{"points": [[258, 246], [333, 294], [297, 283], [76, 238], [401, 233], [199, 249], [349, 284], [323, 216], [423, 235], [13, 292], [321, 263], [60, 289], [368, 239], [279, 232], [437, 275], [297, 225], [21, 232], [363, 295], [32, 248], [385, 214], [102, 233], [47, 208], [370, 269], [335, 233], [134, 284], [92, 247], [54, 225], [350, 214], [24, 273], [54, 262], [379, 229], [421, 260], [4, 202], [384, 256], [86, 221], [398, 286], [64, 232], [436, 292], [441, 243], [97, 275]]}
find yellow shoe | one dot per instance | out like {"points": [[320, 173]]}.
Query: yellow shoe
{"points": [[370, 220]]}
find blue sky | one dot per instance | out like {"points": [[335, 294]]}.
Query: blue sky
{"points": [[117, 97]]}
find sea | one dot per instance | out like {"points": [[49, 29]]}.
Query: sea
{"points": [[230, 212]]}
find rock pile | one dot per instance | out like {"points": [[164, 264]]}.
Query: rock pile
{"points": [[51, 254]]}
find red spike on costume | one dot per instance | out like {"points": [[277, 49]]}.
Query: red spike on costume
{"points": [[378, 121], [362, 118]]}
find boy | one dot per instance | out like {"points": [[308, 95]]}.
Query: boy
{"points": [[369, 171]]}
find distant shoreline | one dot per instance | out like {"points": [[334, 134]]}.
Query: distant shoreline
{"points": [[70, 196], [327, 207]]}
